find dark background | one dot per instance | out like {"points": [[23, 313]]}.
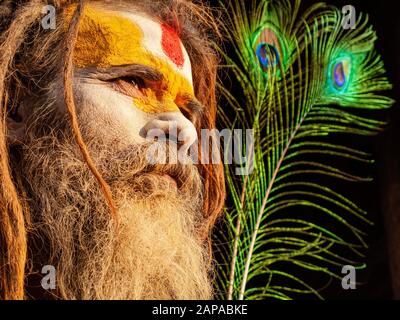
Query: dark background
{"points": [[381, 198]]}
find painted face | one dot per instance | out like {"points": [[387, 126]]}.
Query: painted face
{"points": [[133, 75]]}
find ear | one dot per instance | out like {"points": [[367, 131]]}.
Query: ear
{"points": [[16, 125]]}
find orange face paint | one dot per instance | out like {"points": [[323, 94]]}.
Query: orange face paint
{"points": [[109, 38]]}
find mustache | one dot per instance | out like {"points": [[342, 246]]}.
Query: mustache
{"points": [[131, 162]]}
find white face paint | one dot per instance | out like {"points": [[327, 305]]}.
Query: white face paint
{"points": [[130, 114], [111, 114]]}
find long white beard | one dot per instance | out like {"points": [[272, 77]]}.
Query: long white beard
{"points": [[154, 253]]}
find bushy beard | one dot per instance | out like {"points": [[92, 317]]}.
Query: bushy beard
{"points": [[153, 253]]}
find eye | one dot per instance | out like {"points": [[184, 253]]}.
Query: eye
{"points": [[133, 82], [340, 73], [268, 47], [136, 82], [267, 55], [130, 86]]}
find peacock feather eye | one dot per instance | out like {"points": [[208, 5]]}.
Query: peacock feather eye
{"points": [[268, 47], [340, 73], [267, 55]]}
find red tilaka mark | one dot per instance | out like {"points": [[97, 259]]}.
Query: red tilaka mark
{"points": [[171, 45]]}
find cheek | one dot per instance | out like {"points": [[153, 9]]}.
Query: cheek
{"points": [[113, 117], [109, 114]]}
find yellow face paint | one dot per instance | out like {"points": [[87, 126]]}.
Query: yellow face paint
{"points": [[108, 39]]}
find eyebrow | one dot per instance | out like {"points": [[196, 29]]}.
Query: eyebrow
{"points": [[132, 70]]}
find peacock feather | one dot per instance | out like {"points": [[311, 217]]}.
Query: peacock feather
{"points": [[306, 87]]}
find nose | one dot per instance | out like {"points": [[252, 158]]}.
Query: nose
{"points": [[174, 126]]}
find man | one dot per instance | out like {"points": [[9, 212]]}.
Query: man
{"points": [[78, 191]]}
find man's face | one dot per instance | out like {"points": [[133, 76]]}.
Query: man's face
{"points": [[132, 76]]}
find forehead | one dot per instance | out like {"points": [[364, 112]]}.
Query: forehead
{"points": [[109, 38], [163, 41]]}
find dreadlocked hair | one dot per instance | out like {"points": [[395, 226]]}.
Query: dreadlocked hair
{"points": [[30, 57]]}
